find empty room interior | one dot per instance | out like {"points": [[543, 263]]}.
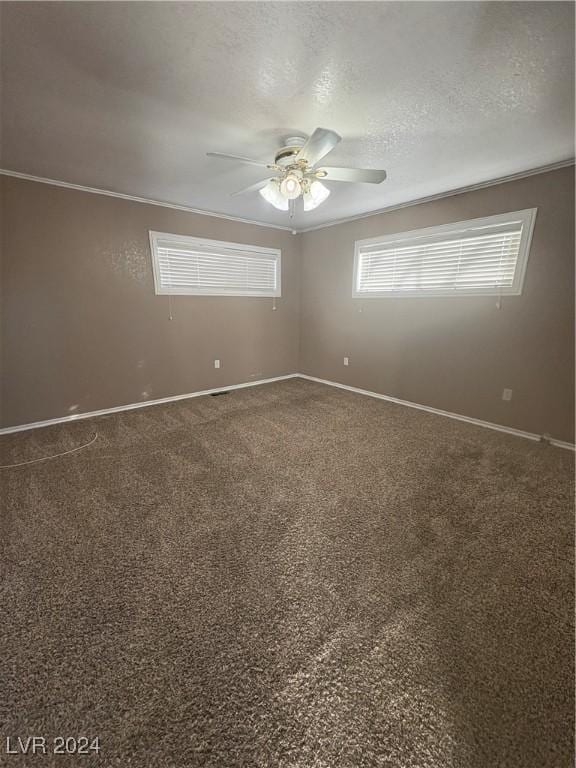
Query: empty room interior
{"points": [[287, 384]]}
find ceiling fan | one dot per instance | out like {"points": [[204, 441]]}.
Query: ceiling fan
{"points": [[296, 174]]}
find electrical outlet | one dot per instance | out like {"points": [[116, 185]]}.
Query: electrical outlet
{"points": [[216, 363], [346, 361], [506, 394]]}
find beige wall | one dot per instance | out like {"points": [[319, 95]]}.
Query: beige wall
{"points": [[83, 328], [456, 354]]}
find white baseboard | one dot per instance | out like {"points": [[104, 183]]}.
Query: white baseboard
{"points": [[133, 406], [369, 393], [439, 412]]}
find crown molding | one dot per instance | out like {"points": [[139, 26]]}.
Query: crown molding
{"points": [[134, 199], [293, 230], [448, 193]]}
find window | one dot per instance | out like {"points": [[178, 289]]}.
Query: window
{"points": [[196, 267], [477, 257]]}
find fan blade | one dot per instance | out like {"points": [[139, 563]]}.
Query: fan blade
{"points": [[352, 174], [238, 158], [252, 187], [318, 145]]}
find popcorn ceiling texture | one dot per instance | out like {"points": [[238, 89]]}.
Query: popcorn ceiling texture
{"points": [[290, 576], [129, 97]]}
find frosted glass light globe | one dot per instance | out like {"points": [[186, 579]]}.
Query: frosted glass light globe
{"points": [[316, 195], [271, 193], [291, 187]]}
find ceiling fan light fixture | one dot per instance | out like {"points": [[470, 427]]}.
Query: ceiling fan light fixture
{"points": [[271, 193], [315, 196], [297, 175], [291, 187]]}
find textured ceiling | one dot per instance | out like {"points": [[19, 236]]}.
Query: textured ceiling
{"points": [[129, 97]]}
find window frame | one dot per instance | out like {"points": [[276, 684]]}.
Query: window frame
{"points": [[528, 218], [198, 242]]}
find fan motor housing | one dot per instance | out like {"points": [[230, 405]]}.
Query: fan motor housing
{"points": [[287, 155]]}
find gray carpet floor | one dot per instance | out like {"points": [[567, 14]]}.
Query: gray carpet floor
{"points": [[290, 576]]}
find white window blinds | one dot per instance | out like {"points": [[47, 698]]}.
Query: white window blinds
{"points": [[482, 256], [197, 267]]}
